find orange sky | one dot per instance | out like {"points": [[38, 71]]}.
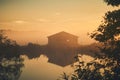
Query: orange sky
{"points": [[51, 16]]}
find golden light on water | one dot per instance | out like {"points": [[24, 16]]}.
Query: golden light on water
{"points": [[39, 68], [34, 20]]}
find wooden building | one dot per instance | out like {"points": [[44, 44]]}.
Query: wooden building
{"points": [[62, 48], [63, 39]]}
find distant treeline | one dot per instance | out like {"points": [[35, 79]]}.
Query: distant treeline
{"points": [[33, 50], [11, 48], [57, 55]]}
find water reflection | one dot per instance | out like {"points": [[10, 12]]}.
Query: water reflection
{"points": [[11, 62], [41, 69], [37, 66], [61, 56], [10, 68]]}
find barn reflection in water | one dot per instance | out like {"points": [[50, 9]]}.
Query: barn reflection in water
{"points": [[62, 48]]}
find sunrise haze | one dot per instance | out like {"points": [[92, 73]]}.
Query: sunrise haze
{"points": [[34, 20]]}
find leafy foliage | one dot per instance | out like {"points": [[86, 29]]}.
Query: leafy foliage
{"points": [[108, 33], [10, 60], [107, 66], [101, 68], [113, 2], [109, 29], [10, 69], [86, 71], [8, 48]]}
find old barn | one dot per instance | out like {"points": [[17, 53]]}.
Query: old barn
{"points": [[62, 48], [63, 39]]}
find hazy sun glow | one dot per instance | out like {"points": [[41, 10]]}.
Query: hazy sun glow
{"points": [[51, 16], [34, 20]]}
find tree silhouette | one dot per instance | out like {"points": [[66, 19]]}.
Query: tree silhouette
{"points": [[98, 69], [10, 60], [10, 69], [8, 48], [108, 33], [113, 2]]}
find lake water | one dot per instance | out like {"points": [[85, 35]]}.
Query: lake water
{"points": [[40, 69]]}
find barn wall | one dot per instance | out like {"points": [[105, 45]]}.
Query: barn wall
{"points": [[63, 40], [62, 49]]}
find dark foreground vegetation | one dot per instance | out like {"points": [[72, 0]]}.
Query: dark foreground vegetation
{"points": [[107, 66], [11, 62], [103, 67]]}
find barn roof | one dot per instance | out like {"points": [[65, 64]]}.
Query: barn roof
{"points": [[63, 32]]}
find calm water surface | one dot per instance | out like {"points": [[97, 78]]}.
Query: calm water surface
{"points": [[40, 69]]}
